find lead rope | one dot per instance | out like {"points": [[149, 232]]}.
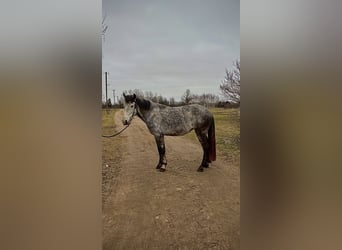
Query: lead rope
{"points": [[108, 136], [122, 130]]}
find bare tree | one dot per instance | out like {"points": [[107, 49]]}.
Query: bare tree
{"points": [[172, 101], [138, 92], [104, 27], [230, 86], [148, 95], [206, 100], [187, 97]]}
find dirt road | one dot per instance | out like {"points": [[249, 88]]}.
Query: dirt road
{"points": [[177, 209]]}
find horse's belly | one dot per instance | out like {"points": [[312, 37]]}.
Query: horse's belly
{"points": [[176, 130]]}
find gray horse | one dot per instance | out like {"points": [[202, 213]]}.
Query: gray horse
{"points": [[164, 120]]}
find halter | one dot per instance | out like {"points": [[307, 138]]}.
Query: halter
{"points": [[134, 109], [131, 118]]}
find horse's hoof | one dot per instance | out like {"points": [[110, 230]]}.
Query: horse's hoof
{"points": [[200, 169], [206, 165], [162, 169], [158, 166]]}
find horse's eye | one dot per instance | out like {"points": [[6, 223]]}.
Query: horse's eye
{"points": [[132, 106]]}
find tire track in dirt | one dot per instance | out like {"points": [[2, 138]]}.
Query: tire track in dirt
{"points": [[178, 209]]}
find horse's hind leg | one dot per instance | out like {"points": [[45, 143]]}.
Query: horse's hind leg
{"points": [[203, 139], [161, 149]]}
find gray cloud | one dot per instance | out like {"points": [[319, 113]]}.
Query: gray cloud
{"points": [[168, 46]]}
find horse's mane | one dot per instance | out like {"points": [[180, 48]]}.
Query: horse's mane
{"points": [[143, 104]]}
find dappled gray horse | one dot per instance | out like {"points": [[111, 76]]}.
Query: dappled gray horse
{"points": [[164, 120]]}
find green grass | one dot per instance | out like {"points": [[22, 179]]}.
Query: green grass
{"points": [[227, 129]]}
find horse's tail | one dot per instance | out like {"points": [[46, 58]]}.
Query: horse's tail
{"points": [[212, 142]]}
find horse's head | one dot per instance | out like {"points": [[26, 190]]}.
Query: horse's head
{"points": [[129, 108]]}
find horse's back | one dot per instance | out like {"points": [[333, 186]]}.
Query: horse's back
{"points": [[199, 115], [178, 120]]}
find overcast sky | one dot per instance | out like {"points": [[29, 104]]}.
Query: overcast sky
{"points": [[171, 45]]}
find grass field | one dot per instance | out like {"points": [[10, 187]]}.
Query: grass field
{"points": [[108, 124], [111, 153], [227, 127]]}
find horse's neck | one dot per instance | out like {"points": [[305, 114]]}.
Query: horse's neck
{"points": [[142, 113]]}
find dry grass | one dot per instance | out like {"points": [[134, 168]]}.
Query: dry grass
{"points": [[227, 127], [111, 153]]}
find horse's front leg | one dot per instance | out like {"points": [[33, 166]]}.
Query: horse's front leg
{"points": [[161, 149]]}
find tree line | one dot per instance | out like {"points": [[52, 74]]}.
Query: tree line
{"points": [[229, 87], [208, 100]]}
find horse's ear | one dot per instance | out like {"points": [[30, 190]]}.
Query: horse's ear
{"points": [[124, 94], [134, 96]]}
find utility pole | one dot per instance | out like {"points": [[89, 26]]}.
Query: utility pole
{"points": [[113, 96], [106, 79]]}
